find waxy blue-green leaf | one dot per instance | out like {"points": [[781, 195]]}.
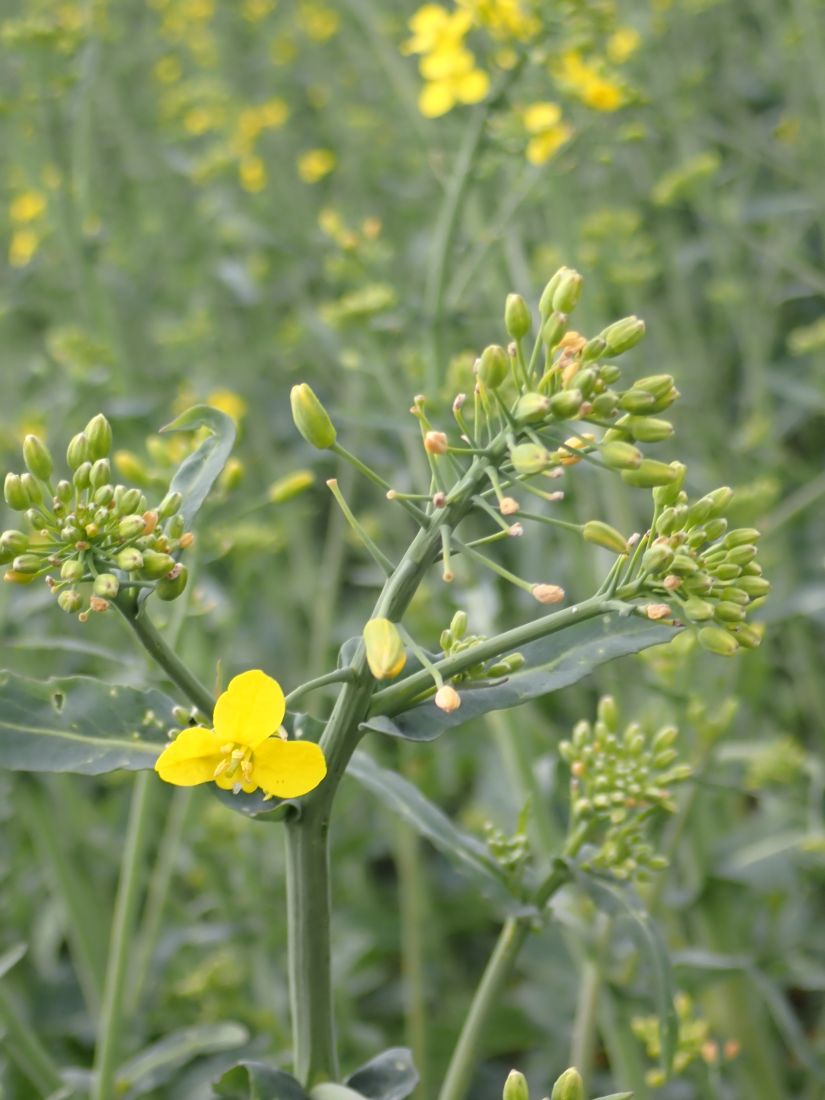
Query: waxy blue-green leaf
{"points": [[391, 1075], [551, 663], [79, 724], [198, 472], [405, 799], [159, 1062], [11, 957], [257, 1081]]}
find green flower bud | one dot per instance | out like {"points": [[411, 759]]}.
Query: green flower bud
{"points": [[27, 563], [720, 499], [605, 404], [741, 536], [176, 526], [569, 1086], [650, 473], [63, 491], [553, 329], [517, 319], [156, 565], [81, 475], [754, 587], [727, 571], [609, 373], [750, 635], [37, 457], [515, 1087], [547, 295], [385, 649], [170, 505], [646, 429], [697, 610], [637, 401], [741, 555], [72, 570], [657, 558], [172, 585], [458, 625], [311, 418], [715, 528], [531, 407], [100, 473], [567, 293], [290, 486], [607, 712], [718, 640], [69, 601], [528, 458], [131, 526], [566, 404], [683, 565], [98, 432], [103, 495], [593, 349], [130, 559], [735, 595], [621, 456], [106, 585], [728, 612], [493, 366], [14, 542], [623, 335], [657, 384], [129, 501], [78, 451], [15, 495], [31, 487], [602, 534]]}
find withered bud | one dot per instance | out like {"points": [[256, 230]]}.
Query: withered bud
{"points": [[508, 506], [435, 443], [547, 593], [447, 699]]}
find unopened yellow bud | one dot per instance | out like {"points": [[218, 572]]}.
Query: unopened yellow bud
{"points": [[37, 458], [386, 655], [621, 456], [650, 473], [311, 418], [568, 291], [529, 458], [602, 534], [531, 407], [515, 1087], [98, 432], [517, 318], [447, 699], [493, 366], [288, 487], [569, 1086], [547, 593], [623, 335]]}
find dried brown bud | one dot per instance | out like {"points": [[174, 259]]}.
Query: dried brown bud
{"points": [[657, 611], [447, 699], [435, 443], [508, 506], [547, 593]]}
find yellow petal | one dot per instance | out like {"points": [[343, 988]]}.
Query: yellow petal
{"points": [[473, 87], [541, 116], [190, 759], [436, 99], [250, 710], [228, 782], [288, 769]]}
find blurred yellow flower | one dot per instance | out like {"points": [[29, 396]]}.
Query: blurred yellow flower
{"points": [[447, 66], [255, 10], [228, 402], [585, 80], [168, 70], [315, 164], [252, 174], [504, 18], [318, 21], [622, 44], [434, 28], [543, 122], [241, 753], [27, 207], [23, 246]]}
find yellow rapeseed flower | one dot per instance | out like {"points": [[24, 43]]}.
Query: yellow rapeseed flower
{"points": [[228, 402], [434, 28], [585, 80], [543, 122], [504, 18], [252, 174], [23, 246], [168, 70], [27, 207], [318, 21], [315, 164], [622, 44], [255, 10], [243, 752]]}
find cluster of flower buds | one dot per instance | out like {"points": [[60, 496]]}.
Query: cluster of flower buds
{"points": [[510, 852], [87, 537], [569, 1086], [708, 573], [694, 1042], [455, 639], [618, 782]]}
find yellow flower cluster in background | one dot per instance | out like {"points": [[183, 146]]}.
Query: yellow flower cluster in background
{"points": [[26, 213], [587, 82], [547, 133], [448, 67], [505, 19]]}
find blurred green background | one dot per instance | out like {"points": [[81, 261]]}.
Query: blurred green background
{"points": [[211, 202]]}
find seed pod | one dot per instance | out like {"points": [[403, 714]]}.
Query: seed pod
{"points": [[650, 473], [517, 319], [528, 458], [602, 534], [69, 601], [515, 1087], [99, 434], [172, 585], [106, 585], [130, 559], [156, 565], [531, 407], [623, 335], [385, 649], [37, 457], [568, 291], [566, 404], [78, 451], [311, 418], [718, 640], [619, 455], [72, 570], [569, 1086]]}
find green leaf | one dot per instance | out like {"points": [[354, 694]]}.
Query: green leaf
{"points": [[622, 900], [159, 1062], [391, 1075], [551, 663], [257, 1081], [79, 724], [11, 957], [198, 472], [406, 800], [329, 1090]]}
